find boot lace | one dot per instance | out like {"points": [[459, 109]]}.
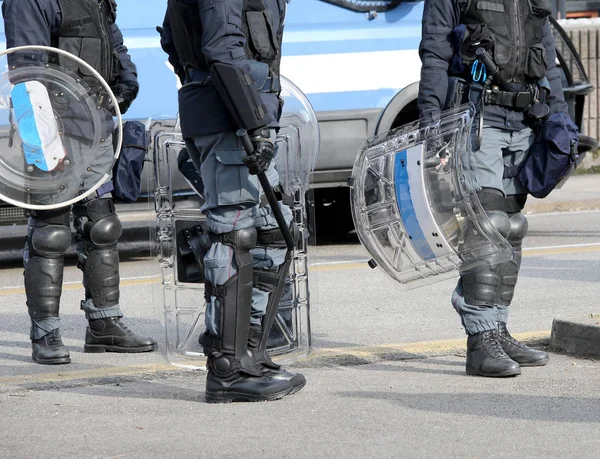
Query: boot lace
{"points": [[54, 339], [506, 336], [492, 344]]}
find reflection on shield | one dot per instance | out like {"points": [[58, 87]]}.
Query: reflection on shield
{"points": [[180, 232], [57, 134], [415, 206]]}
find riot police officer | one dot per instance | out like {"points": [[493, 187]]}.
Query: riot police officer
{"points": [[243, 255], [87, 29], [527, 86]]}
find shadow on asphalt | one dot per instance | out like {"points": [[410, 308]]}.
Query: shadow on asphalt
{"points": [[489, 405], [72, 326]]}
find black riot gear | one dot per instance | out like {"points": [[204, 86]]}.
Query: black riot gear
{"points": [[506, 51], [231, 82], [86, 29]]}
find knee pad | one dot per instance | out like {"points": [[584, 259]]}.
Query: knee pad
{"points": [[518, 229], [500, 221], [103, 227], [106, 232], [51, 241]]}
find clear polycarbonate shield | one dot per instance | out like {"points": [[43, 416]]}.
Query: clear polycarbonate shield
{"points": [[415, 206], [58, 136], [179, 298]]}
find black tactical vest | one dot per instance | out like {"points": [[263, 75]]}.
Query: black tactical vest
{"points": [[85, 31], [263, 34], [511, 31]]}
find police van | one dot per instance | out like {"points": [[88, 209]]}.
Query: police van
{"points": [[356, 60]]}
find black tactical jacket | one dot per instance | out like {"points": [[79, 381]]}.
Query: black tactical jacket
{"points": [[217, 30], [515, 32], [42, 22]]}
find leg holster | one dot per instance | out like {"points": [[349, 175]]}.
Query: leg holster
{"points": [[272, 282], [228, 352], [98, 230], [48, 239]]}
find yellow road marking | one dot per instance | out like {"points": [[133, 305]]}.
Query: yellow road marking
{"points": [[425, 348], [420, 347], [320, 268]]}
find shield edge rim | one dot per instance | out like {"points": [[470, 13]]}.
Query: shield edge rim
{"points": [[119, 128]]}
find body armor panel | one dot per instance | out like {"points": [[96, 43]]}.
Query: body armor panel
{"points": [[86, 32], [511, 31]]}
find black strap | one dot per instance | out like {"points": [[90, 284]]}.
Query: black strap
{"points": [[512, 171], [492, 199], [514, 100]]}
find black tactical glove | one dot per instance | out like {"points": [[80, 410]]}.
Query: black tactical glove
{"points": [[125, 92], [264, 150]]}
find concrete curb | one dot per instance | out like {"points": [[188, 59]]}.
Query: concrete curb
{"points": [[577, 337]]}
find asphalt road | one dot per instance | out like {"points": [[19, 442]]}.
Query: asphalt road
{"points": [[372, 390]]}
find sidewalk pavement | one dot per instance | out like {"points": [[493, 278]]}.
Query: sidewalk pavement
{"points": [[575, 335], [579, 192]]}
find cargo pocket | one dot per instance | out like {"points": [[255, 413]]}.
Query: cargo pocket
{"points": [[261, 36], [477, 36], [71, 45], [536, 62], [233, 182], [234, 24], [91, 52], [87, 49]]}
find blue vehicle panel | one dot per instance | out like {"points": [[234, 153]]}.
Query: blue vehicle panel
{"points": [[345, 62]]}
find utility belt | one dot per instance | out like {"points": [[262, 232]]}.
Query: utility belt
{"points": [[517, 101], [271, 83]]}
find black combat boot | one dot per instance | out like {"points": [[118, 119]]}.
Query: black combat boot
{"points": [[485, 356], [232, 380], [267, 367], [49, 349], [523, 355], [111, 335]]}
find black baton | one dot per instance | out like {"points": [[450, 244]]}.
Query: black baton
{"points": [[266, 186]]}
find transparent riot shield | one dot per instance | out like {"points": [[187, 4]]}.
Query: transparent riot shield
{"points": [[179, 221], [58, 137], [415, 206]]}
